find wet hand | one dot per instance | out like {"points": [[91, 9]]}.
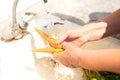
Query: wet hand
{"points": [[75, 36], [70, 56]]}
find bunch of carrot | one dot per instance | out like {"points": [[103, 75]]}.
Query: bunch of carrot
{"points": [[55, 48]]}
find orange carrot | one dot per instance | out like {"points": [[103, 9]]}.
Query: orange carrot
{"points": [[49, 50], [50, 40]]}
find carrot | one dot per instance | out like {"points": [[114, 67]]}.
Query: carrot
{"points": [[49, 50], [50, 40]]}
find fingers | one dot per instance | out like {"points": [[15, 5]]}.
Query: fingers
{"points": [[62, 37], [63, 59], [69, 36], [67, 57], [59, 57]]}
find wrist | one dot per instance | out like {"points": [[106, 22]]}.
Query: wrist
{"points": [[95, 31]]}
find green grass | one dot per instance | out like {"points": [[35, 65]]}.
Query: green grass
{"points": [[95, 75]]}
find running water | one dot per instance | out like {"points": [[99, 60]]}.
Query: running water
{"points": [[49, 69], [46, 67], [50, 25]]}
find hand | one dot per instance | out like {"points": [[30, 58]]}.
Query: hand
{"points": [[81, 35], [75, 36], [70, 57]]}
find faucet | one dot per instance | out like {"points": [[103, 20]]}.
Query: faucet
{"points": [[14, 31]]}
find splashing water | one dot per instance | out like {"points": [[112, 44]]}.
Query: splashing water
{"points": [[49, 69]]}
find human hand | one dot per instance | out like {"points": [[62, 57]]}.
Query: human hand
{"points": [[80, 35], [70, 56], [76, 36], [98, 60]]}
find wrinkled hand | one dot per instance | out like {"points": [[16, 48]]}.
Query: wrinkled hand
{"points": [[70, 57]]}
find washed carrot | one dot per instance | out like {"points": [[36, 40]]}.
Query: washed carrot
{"points": [[49, 50], [50, 40]]}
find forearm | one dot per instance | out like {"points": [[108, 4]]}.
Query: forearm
{"points": [[101, 60], [95, 30], [107, 26], [113, 23]]}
